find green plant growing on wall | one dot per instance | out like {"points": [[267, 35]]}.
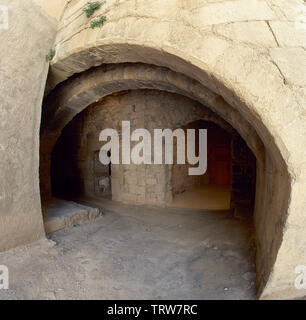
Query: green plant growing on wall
{"points": [[97, 22], [50, 55], [92, 7]]}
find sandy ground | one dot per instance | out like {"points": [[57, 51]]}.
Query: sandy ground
{"points": [[138, 253], [207, 197]]}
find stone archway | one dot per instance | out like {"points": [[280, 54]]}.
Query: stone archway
{"points": [[249, 81], [76, 94], [79, 92], [151, 109], [250, 55]]}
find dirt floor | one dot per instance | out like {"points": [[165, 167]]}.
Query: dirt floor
{"points": [[207, 197], [138, 253]]}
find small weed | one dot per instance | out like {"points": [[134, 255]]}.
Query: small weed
{"points": [[92, 7], [50, 55], [97, 22]]}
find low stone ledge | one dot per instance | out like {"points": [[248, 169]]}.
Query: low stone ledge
{"points": [[61, 214]]}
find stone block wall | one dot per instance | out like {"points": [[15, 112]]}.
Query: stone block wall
{"points": [[149, 109]]}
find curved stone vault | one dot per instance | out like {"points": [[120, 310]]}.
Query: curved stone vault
{"points": [[243, 59]]}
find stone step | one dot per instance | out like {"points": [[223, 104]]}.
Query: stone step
{"points": [[62, 214]]}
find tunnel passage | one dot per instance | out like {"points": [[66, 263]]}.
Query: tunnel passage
{"points": [[83, 90], [76, 170], [260, 77], [78, 174]]}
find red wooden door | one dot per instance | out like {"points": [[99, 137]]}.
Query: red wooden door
{"points": [[221, 166]]}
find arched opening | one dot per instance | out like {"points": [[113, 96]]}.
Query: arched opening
{"points": [[76, 169], [253, 80], [78, 175], [84, 89]]}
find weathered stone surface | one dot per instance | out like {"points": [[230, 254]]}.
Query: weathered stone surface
{"points": [[23, 72], [54, 8], [250, 32], [292, 10], [230, 11], [292, 63], [289, 34], [65, 214]]}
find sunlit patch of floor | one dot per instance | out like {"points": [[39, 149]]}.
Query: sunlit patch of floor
{"points": [[209, 197]]}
